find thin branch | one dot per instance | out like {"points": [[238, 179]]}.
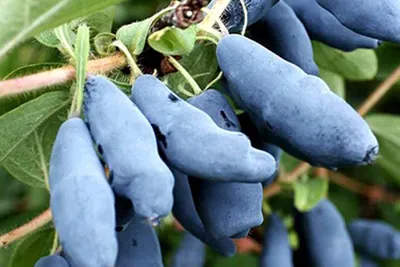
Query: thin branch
{"points": [[26, 229], [297, 172], [321, 172], [373, 192], [380, 92], [58, 76]]}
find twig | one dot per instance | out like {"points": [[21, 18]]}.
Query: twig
{"points": [[379, 92], [321, 172], [58, 76], [373, 192], [25, 229], [298, 171]]}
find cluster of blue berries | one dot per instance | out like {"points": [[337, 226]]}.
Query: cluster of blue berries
{"points": [[196, 158]]}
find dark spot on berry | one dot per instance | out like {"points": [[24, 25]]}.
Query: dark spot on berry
{"points": [[160, 136], [100, 149], [173, 98], [269, 126], [228, 122], [134, 243]]}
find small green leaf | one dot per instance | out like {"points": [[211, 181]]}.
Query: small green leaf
{"points": [[20, 123], [308, 193], [134, 35], [173, 41], [201, 63], [32, 248], [82, 48], [334, 81], [21, 19], [359, 65], [102, 43], [48, 38]]}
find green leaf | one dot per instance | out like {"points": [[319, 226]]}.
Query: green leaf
{"points": [[387, 129], [48, 38], [334, 81], [100, 22], [29, 161], [201, 64], [358, 65], [173, 41], [134, 35], [21, 19], [32, 248], [21, 137], [102, 43], [308, 193]]}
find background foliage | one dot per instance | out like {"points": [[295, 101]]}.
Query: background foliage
{"points": [[353, 76]]}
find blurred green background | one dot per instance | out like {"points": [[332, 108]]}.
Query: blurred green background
{"points": [[19, 202]]}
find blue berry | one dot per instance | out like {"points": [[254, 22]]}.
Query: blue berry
{"points": [[191, 252], [193, 143], [276, 249], [129, 148], [82, 202], [52, 261], [375, 238], [318, 126]]}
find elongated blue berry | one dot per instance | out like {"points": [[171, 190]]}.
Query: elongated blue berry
{"points": [[138, 245], [378, 19], [226, 209], [276, 249], [283, 33], [322, 26], [52, 261], [129, 147], [185, 212], [375, 238], [325, 241], [191, 252], [193, 143], [82, 202], [319, 126]]}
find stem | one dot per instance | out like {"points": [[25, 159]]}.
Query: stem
{"points": [[215, 80], [379, 92], [37, 81], [373, 192], [26, 229], [196, 88], [55, 244], [298, 171], [135, 71], [217, 9], [245, 17], [221, 25]]}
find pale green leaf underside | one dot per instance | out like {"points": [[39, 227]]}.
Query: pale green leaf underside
{"points": [[20, 19]]}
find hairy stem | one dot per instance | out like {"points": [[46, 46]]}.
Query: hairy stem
{"points": [[26, 229], [58, 76], [195, 87]]}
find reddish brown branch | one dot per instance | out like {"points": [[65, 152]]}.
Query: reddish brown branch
{"points": [[58, 76], [372, 192], [26, 229]]}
